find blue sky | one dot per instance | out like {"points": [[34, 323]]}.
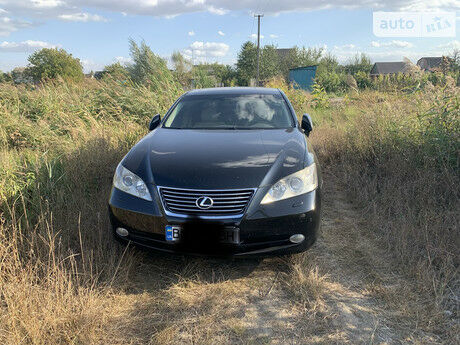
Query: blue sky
{"points": [[97, 31]]}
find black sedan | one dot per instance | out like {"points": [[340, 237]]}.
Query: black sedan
{"points": [[228, 171]]}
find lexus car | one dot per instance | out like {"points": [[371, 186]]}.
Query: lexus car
{"points": [[227, 171]]}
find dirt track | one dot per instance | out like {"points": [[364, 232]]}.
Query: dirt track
{"points": [[343, 291]]}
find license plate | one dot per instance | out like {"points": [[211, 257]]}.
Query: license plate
{"points": [[227, 235], [230, 235], [172, 233]]}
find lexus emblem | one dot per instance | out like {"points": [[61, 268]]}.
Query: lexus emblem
{"points": [[204, 202]]}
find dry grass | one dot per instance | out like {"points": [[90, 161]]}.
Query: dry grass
{"points": [[58, 259], [306, 283], [64, 281], [397, 157]]}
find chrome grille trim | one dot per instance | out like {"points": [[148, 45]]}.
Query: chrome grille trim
{"points": [[228, 203]]}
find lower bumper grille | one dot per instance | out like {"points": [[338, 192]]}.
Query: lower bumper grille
{"points": [[206, 202]]}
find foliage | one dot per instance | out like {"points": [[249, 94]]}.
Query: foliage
{"points": [[360, 63], [300, 99], [203, 76], [363, 80], [228, 75], [147, 67], [116, 71], [182, 68], [328, 64], [269, 62], [60, 143], [51, 63], [320, 98], [455, 58], [300, 57], [247, 63], [397, 157]]}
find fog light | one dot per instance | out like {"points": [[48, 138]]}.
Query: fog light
{"points": [[122, 232], [297, 238]]}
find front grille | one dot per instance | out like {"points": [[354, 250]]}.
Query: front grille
{"points": [[225, 202]]}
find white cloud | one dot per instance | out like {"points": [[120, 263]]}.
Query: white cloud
{"points": [[46, 3], [124, 60], [449, 47], [390, 51], [191, 33], [203, 51], [221, 33], [25, 46], [345, 46], [90, 65], [392, 44], [54, 8], [254, 36], [213, 49], [218, 11], [273, 36], [9, 25], [82, 17]]}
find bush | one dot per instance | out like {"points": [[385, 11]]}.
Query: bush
{"points": [[150, 69], [333, 82], [397, 156], [53, 63], [116, 71], [363, 80]]}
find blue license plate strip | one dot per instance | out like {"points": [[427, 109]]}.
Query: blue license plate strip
{"points": [[172, 233]]}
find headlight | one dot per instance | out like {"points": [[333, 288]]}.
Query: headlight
{"points": [[301, 182], [130, 183]]}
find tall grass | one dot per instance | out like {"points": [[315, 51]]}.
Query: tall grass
{"points": [[398, 158], [59, 144], [397, 155]]}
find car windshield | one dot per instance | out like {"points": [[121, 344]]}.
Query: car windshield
{"points": [[262, 111]]}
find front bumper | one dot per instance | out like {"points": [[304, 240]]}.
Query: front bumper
{"points": [[262, 230]]}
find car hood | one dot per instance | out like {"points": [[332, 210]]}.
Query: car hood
{"points": [[217, 159]]}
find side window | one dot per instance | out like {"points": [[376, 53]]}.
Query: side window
{"points": [[173, 115]]}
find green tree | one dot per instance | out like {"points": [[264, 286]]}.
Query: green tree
{"points": [[203, 76], [328, 64], [300, 57], [309, 56], [148, 68], [359, 63], [6, 77], [229, 76], [269, 62], [182, 68], [247, 63], [21, 75], [363, 80], [52, 63], [116, 71], [455, 58], [223, 74]]}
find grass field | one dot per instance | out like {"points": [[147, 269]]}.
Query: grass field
{"points": [[63, 280]]}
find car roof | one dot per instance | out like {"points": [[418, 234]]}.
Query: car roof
{"points": [[234, 91]]}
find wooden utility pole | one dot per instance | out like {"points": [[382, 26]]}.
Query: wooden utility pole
{"points": [[258, 45]]}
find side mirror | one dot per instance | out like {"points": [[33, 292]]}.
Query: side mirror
{"points": [[307, 124], [154, 122]]}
